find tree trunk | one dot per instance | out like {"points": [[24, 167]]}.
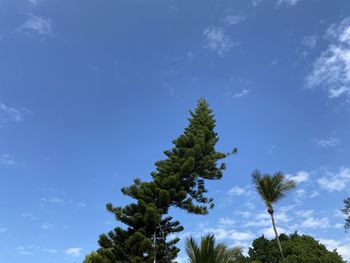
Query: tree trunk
{"points": [[276, 233]]}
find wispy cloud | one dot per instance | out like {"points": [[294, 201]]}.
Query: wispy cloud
{"points": [[239, 191], [242, 93], [222, 233], [334, 181], [37, 24], [287, 2], [305, 213], [310, 41], [29, 216], [256, 2], [226, 222], [7, 160], [234, 19], [2, 230], [33, 2], [217, 40], [47, 226], [74, 252], [8, 113], [52, 200], [331, 70], [315, 223], [300, 177], [327, 142], [24, 250], [237, 95]]}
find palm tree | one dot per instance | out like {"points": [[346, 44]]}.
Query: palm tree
{"points": [[209, 252], [272, 188]]}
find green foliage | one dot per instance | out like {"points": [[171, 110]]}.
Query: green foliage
{"points": [[94, 257], [346, 211], [192, 159], [209, 252], [179, 181], [272, 188], [297, 249]]}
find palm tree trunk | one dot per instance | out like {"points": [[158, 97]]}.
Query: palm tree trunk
{"points": [[276, 233]]}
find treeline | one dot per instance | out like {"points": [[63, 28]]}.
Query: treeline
{"points": [[179, 181]]}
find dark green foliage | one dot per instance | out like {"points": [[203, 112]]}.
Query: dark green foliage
{"points": [[94, 257], [210, 252], [192, 159], [271, 189], [296, 248], [179, 181], [346, 211]]}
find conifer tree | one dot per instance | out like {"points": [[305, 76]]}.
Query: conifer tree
{"points": [[179, 181]]}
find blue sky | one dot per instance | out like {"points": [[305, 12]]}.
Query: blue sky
{"points": [[92, 92]]}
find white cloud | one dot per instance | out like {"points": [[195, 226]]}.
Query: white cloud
{"points": [[258, 223], [339, 225], [314, 194], [244, 214], [287, 208], [23, 251], [47, 226], [33, 2], [11, 114], [37, 24], [287, 2], [52, 200], [29, 216], [238, 191], [300, 193], [234, 19], [315, 223], [221, 233], [344, 250], [74, 252], [256, 2], [335, 181], [241, 236], [342, 247], [7, 159], [242, 93], [226, 222], [331, 70], [327, 142], [299, 177], [310, 41], [217, 40], [269, 232], [264, 219], [305, 213]]}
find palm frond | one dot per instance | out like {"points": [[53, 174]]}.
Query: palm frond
{"points": [[192, 250], [209, 252], [272, 188]]}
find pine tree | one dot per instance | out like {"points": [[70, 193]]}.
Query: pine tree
{"points": [[179, 181]]}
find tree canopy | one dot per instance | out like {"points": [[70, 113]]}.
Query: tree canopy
{"points": [[297, 249], [179, 181]]}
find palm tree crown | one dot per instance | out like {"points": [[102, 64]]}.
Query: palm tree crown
{"points": [[272, 188], [209, 252]]}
